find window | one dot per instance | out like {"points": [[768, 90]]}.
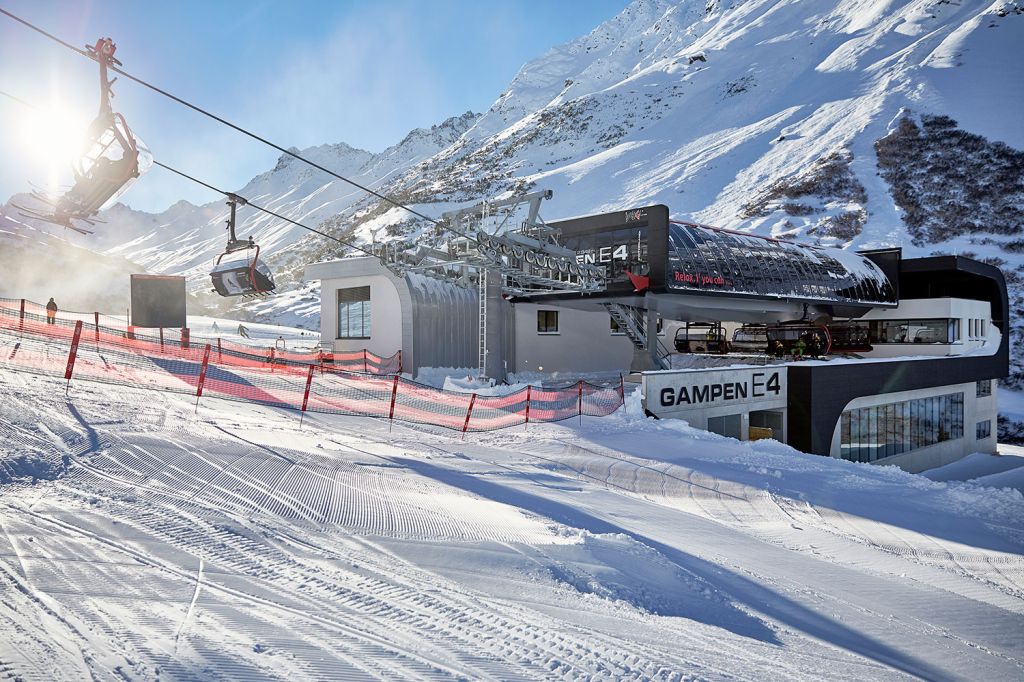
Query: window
{"points": [[354, 313], [616, 330], [547, 321], [871, 433], [914, 331], [983, 430], [984, 388]]}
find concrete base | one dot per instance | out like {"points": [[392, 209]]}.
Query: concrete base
{"points": [[643, 362]]}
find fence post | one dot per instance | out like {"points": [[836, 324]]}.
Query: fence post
{"points": [[305, 396], [469, 413], [21, 319], [220, 355], [184, 338], [394, 395], [529, 388], [399, 360], [72, 355], [96, 323], [364, 361], [162, 341], [580, 400], [202, 375]]}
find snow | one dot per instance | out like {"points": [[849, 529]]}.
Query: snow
{"points": [[975, 466], [234, 542]]}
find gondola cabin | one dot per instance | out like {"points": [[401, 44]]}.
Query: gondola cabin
{"points": [[243, 277]]}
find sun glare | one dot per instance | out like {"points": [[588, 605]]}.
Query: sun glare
{"points": [[52, 138]]}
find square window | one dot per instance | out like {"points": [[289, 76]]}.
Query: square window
{"points": [[547, 321], [983, 430], [984, 388]]}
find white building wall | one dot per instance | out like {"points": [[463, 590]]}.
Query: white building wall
{"points": [[976, 409], [385, 315], [975, 327], [584, 342]]}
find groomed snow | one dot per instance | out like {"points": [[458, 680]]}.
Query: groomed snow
{"points": [[234, 544]]}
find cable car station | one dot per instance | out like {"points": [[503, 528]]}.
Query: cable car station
{"points": [[862, 356]]}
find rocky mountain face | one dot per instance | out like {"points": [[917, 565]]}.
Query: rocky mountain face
{"points": [[851, 123]]}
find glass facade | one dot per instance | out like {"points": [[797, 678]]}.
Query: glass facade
{"points": [[934, 330], [706, 259], [354, 313], [872, 433]]}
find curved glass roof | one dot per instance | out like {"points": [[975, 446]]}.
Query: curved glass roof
{"points": [[714, 260]]}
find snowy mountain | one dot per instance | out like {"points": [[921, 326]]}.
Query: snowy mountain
{"points": [[854, 123]]}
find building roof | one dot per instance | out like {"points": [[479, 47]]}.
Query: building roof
{"points": [[722, 261]]}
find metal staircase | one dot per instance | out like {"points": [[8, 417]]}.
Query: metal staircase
{"points": [[632, 321]]}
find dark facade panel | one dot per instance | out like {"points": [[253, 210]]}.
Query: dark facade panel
{"points": [[158, 301]]}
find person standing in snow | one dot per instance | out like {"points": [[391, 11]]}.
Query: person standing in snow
{"points": [[215, 327], [51, 311], [243, 331]]}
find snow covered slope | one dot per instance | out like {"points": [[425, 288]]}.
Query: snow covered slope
{"points": [[140, 541]]}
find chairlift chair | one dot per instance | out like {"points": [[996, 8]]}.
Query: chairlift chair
{"points": [[111, 160], [247, 276]]}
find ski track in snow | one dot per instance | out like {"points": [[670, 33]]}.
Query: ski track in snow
{"points": [[237, 545]]}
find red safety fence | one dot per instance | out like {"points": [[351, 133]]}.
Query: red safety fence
{"points": [[73, 349], [110, 332]]}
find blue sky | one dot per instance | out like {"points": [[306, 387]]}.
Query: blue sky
{"points": [[300, 73]]}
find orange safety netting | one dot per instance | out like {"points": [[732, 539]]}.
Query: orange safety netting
{"points": [[31, 342], [110, 332]]}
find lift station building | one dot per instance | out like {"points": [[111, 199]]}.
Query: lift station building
{"points": [[908, 378]]}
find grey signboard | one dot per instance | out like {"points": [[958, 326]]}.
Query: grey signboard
{"points": [[158, 301], [678, 393]]}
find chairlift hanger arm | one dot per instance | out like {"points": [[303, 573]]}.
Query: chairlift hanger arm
{"points": [[238, 198]]}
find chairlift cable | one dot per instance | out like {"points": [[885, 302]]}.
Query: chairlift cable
{"points": [[220, 191], [261, 208], [222, 120]]}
